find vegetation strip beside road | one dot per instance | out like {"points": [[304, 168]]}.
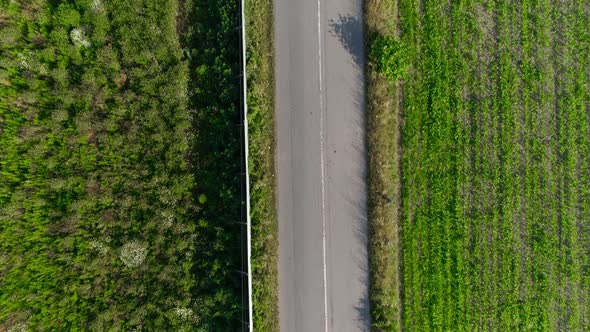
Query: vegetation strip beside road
{"points": [[383, 121], [260, 71], [494, 165]]}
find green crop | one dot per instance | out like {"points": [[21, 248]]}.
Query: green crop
{"points": [[494, 164]]}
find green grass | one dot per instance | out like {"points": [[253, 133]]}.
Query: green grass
{"points": [[260, 71], [494, 164]]}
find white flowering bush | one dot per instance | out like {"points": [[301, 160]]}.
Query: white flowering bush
{"points": [[20, 327], [133, 254], [167, 197], [167, 218], [24, 60], [184, 314], [96, 5], [42, 69], [99, 246], [79, 38]]}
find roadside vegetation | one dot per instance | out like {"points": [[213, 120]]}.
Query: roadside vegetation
{"points": [[119, 165], [494, 113], [260, 71], [383, 138]]}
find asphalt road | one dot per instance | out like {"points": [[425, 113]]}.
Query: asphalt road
{"points": [[321, 164]]}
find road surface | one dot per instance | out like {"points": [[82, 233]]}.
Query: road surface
{"points": [[321, 166]]}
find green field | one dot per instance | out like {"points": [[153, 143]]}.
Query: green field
{"points": [[120, 168], [493, 103]]}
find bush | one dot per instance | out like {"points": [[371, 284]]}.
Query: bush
{"points": [[389, 55]]}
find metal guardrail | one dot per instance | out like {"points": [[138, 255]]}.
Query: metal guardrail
{"points": [[246, 273]]}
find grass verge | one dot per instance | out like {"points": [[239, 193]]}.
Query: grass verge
{"points": [[260, 69], [384, 101]]}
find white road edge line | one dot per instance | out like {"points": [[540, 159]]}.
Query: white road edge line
{"points": [[248, 221], [322, 168]]}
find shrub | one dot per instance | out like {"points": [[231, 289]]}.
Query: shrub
{"points": [[389, 54]]}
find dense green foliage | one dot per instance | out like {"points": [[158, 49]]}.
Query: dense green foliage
{"points": [[212, 42], [390, 57], [495, 166], [118, 205]]}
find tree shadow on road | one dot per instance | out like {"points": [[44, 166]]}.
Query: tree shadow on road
{"points": [[349, 31]]}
